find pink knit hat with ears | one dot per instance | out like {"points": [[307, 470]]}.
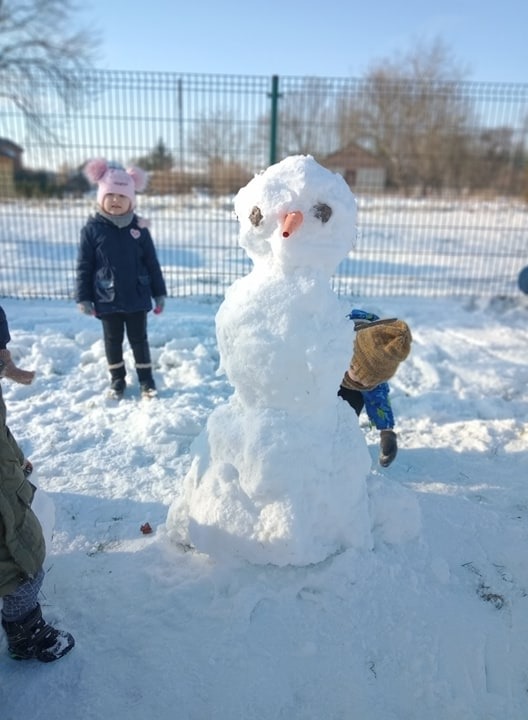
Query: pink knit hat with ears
{"points": [[110, 179]]}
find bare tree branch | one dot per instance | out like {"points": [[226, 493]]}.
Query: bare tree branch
{"points": [[40, 49], [412, 114]]}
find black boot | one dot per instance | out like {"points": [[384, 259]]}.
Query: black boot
{"points": [[388, 447], [117, 388], [148, 388], [118, 382], [33, 639]]}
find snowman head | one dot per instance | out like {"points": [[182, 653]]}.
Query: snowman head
{"points": [[297, 215]]}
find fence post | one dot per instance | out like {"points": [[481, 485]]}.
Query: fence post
{"points": [[180, 122], [273, 120]]}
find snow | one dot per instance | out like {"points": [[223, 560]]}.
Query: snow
{"points": [[430, 622]]}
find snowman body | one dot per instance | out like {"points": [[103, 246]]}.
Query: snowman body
{"points": [[279, 472]]}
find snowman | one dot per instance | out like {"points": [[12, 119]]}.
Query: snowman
{"points": [[278, 474]]}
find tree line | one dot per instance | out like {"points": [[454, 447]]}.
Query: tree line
{"points": [[412, 112], [415, 114]]}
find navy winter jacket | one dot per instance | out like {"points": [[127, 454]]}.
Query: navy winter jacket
{"points": [[117, 268], [4, 330]]}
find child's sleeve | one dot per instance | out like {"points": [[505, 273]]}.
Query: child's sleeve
{"points": [[4, 330], [157, 281], [357, 314], [85, 269], [378, 406]]}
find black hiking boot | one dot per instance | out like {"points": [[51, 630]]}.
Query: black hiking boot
{"points": [[33, 639]]}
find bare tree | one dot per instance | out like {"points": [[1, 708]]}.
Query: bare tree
{"points": [[157, 159], [218, 148], [498, 160], [40, 54], [410, 111], [303, 110], [216, 137], [302, 113]]}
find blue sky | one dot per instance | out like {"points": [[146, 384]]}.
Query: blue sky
{"points": [[333, 38]]}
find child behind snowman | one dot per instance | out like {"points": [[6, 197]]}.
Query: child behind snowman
{"points": [[379, 347]]}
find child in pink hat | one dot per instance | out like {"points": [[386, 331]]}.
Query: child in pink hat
{"points": [[118, 272]]}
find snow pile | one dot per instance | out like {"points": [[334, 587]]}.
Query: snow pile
{"points": [[434, 628]]}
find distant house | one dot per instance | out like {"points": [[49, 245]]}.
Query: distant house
{"points": [[10, 163], [362, 170]]}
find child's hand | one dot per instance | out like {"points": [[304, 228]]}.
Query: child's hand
{"points": [[160, 304], [9, 370], [86, 307]]}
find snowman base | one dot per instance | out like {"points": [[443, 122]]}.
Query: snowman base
{"points": [[309, 507]]}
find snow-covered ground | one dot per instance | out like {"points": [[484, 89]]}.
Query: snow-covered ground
{"points": [[431, 626]]}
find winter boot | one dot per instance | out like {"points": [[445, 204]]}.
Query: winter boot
{"points": [[33, 639], [388, 447], [117, 387], [148, 388], [117, 382]]}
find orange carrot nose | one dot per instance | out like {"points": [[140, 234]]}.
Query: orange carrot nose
{"points": [[292, 221]]}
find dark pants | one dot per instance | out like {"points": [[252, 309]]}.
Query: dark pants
{"points": [[135, 324], [353, 397]]}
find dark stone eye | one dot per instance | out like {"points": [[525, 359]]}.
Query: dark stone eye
{"points": [[322, 212], [255, 216]]}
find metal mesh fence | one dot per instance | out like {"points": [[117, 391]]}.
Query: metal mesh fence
{"points": [[439, 173]]}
